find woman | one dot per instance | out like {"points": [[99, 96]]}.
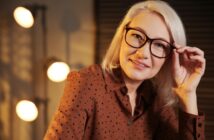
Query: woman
{"points": [[147, 74]]}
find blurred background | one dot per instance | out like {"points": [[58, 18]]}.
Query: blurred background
{"points": [[75, 34]]}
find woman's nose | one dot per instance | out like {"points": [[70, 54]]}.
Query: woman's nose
{"points": [[144, 51]]}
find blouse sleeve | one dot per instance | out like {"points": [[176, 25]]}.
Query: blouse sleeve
{"points": [[191, 127], [73, 114], [184, 127]]}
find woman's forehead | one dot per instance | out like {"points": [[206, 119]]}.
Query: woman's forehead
{"points": [[152, 23]]}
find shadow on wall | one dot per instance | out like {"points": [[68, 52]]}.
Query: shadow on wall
{"points": [[69, 24], [2, 99], [16, 80]]}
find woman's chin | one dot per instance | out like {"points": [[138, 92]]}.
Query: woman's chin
{"points": [[137, 76]]}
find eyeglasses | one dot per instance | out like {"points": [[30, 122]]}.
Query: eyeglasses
{"points": [[158, 47]]}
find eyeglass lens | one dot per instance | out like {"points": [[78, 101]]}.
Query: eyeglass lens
{"points": [[137, 39]]}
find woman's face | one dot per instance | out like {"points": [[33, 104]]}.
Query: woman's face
{"points": [[139, 64]]}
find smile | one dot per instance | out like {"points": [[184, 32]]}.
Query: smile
{"points": [[139, 65]]}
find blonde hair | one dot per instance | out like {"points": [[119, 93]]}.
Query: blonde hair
{"points": [[162, 81]]}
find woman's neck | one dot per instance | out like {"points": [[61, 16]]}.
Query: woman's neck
{"points": [[131, 85]]}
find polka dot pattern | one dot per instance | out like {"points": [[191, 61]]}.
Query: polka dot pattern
{"points": [[94, 106]]}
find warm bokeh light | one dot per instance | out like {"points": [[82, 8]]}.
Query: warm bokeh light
{"points": [[23, 17], [58, 71], [26, 110]]}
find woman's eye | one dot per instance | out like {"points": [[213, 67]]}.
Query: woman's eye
{"points": [[138, 37], [159, 45]]}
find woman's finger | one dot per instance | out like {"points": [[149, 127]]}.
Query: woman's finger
{"points": [[193, 50], [201, 60], [177, 46], [175, 61], [198, 58]]}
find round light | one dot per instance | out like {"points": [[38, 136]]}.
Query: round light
{"points": [[58, 71], [26, 110], [23, 17]]}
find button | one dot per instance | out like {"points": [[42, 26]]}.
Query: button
{"points": [[123, 90], [130, 122], [199, 135]]}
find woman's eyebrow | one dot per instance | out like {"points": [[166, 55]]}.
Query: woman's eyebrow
{"points": [[143, 31], [139, 29]]}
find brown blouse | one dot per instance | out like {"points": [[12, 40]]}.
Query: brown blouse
{"points": [[96, 107]]}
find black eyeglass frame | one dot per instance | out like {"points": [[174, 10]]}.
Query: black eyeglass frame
{"points": [[127, 28]]}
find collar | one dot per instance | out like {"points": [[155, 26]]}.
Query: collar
{"points": [[116, 83]]}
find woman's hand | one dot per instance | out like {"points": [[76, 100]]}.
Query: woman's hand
{"points": [[188, 68]]}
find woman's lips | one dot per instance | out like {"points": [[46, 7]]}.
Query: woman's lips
{"points": [[139, 65]]}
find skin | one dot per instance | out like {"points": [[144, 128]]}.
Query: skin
{"points": [[187, 74], [139, 65]]}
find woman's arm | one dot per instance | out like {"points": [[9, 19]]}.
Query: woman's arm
{"points": [[74, 111], [187, 68], [185, 126]]}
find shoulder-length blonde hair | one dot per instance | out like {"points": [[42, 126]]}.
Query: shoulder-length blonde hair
{"points": [[162, 81]]}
